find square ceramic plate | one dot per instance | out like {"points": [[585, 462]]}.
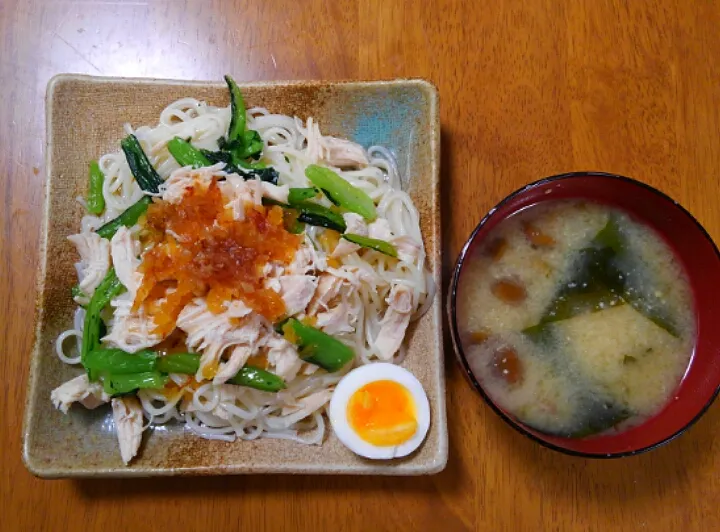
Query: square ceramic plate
{"points": [[85, 117]]}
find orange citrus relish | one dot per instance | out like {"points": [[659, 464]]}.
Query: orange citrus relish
{"points": [[198, 249]]}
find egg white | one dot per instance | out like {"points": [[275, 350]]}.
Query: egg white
{"points": [[358, 378]]}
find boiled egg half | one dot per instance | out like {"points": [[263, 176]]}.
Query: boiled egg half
{"points": [[380, 411]]}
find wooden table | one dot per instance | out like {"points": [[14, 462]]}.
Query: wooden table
{"points": [[528, 89]]}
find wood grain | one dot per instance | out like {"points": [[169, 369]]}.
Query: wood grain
{"points": [[527, 89]]}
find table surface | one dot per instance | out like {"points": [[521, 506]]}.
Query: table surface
{"points": [[528, 89]]}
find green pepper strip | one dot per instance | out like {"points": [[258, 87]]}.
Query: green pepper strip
{"points": [[313, 214], [128, 218], [372, 243], [237, 106], [186, 154], [295, 227], [259, 379], [125, 383], [292, 223], [298, 195], [250, 146], [75, 291], [118, 362], [254, 166], [124, 372], [187, 363], [340, 192], [109, 287], [95, 199], [317, 347], [144, 173], [250, 376]]}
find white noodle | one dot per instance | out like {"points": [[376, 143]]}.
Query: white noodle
{"points": [[59, 344]]}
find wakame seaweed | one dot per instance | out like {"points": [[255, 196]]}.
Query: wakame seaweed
{"points": [[268, 174], [601, 280], [598, 415]]}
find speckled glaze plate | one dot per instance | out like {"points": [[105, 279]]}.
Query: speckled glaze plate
{"points": [[85, 117]]}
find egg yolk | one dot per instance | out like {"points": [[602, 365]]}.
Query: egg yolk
{"points": [[382, 413]]}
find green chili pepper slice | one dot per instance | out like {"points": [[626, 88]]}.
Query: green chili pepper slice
{"points": [[187, 363], [119, 362], [186, 154], [144, 173], [259, 379], [372, 243], [107, 290], [128, 218], [317, 347], [125, 383], [237, 108], [95, 199], [341, 192]]}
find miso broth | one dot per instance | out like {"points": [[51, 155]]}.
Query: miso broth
{"points": [[575, 318]]}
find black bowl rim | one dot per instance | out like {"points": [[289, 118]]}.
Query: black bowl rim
{"points": [[455, 336]]}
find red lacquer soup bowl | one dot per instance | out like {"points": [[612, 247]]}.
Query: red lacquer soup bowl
{"points": [[701, 260]]}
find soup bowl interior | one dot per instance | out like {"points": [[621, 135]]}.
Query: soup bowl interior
{"points": [[701, 261]]}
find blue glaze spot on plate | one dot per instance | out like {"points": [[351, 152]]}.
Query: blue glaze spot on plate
{"points": [[388, 117]]}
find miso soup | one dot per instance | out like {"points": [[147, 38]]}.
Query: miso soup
{"points": [[576, 319]]}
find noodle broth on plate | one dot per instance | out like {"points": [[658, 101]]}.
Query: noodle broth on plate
{"points": [[576, 319]]}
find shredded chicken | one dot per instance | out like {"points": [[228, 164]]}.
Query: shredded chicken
{"points": [[275, 192], [307, 259], [343, 153], [408, 249], [240, 194], [295, 290], [238, 191], [271, 270], [94, 260], [124, 252], [327, 289], [400, 298], [355, 225], [237, 207], [395, 321], [78, 390], [236, 187], [355, 275], [308, 369], [330, 303], [130, 330], [334, 151], [229, 369], [337, 320], [186, 178], [380, 229], [128, 416], [283, 356], [214, 333]]}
